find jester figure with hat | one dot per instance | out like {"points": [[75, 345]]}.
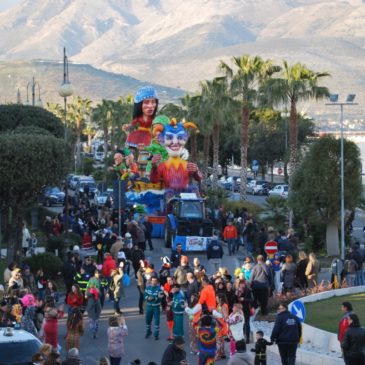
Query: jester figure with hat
{"points": [[145, 108], [175, 171]]}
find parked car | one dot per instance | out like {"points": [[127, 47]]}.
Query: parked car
{"points": [[52, 195], [101, 198], [261, 189], [74, 180], [17, 346], [91, 184], [77, 179], [257, 187], [99, 156], [280, 190]]}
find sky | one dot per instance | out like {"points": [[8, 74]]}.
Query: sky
{"points": [[7, 4]]}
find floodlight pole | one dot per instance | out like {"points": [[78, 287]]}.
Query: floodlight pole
{"points": [[342, 193]]}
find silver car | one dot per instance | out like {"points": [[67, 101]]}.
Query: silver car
{"points": [[280, 191]]}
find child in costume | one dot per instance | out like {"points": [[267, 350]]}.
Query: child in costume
{"points": [[168, 298], [75, 329], [260, 348], [235, 322], [145, 108], [222, 308], [192, 320]]}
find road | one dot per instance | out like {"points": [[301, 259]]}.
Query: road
{"points": [[135, 344]]}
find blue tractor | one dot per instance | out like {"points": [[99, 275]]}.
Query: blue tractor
{"points": [[186, 223]]}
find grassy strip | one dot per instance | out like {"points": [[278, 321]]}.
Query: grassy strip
{"points": [[326, 314]]}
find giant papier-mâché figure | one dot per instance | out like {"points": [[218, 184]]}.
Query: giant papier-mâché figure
{"points": [[175, 172], [145, 108]]}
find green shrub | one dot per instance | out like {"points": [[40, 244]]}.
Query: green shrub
{"points": [[56, 243], [275, 212], [88, 166], [98, 174], [48, 262], [252, 208], [216, 196], [61, 244]]}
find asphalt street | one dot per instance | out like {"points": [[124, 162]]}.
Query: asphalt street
{"points": [[136, 346]]}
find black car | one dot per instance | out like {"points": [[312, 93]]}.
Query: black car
{"points": [[52, 195]]}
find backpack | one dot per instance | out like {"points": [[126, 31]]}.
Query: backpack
{"points": [[350, 267], [126, 280]]}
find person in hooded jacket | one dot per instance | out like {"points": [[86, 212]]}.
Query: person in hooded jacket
{"points": [[353, 344], [286, 334]]}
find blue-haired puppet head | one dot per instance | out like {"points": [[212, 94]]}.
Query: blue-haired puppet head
{"points": [[144, 93], [173, 136]]}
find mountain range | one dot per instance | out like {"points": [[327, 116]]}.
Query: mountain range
{"points": [[179, 43]]}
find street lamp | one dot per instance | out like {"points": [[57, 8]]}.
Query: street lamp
{"points": [[33, 85], [65, 90], [334, 102]]}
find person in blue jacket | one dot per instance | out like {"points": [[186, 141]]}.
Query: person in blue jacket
{"points": [[286, 334]]}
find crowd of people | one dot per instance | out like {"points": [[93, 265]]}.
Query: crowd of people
{"points": [[215, 304]]}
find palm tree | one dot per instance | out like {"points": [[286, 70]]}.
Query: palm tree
{"points": [[214, 109], [56, 109], [296, 83], [102, 116], [90, 131], [246, 78], [123, 113], [79, 113]]}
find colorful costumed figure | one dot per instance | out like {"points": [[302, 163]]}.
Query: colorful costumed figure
{"points": [[145, 108], [206, 331], [175, 171]]}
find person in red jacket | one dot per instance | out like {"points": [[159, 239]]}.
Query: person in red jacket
{"points": [[109, 265], [230, 236], [344, 324], [75, 299]]}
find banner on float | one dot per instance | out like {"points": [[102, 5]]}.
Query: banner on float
{"points": [[197, 243]]}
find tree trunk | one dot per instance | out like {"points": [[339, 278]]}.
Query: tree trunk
{"points": [[215, 153], [332, 240], [272, 173], [206, 146], [293, 140], [14, 228], [244, 145], [89, 140], [105, 151], [78, 150]]}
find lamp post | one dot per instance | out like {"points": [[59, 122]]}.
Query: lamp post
{"points": [[334, 102], [64, 91], [33, 85]]}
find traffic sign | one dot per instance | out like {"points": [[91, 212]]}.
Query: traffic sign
{"points": [[271, 248], [298, 309], [280, 170]]}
